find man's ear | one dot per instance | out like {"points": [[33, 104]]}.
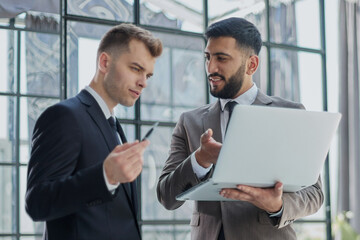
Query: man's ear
{"points": [[104, 62], [252, 64]]}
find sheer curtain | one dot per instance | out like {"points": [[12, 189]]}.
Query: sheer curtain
{"points": [[349, 166]]}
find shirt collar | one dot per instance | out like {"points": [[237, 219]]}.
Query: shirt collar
{"points": [[247, 98], [100, 101]]}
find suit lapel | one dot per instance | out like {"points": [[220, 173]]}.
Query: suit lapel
{"points": [[211, 120], [97, 115]]}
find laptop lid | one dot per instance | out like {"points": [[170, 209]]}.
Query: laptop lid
{"points": [[264, 145]]}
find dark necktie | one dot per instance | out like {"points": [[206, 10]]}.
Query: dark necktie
{"points": [[119, 132], [112, 123], [230, 105]]}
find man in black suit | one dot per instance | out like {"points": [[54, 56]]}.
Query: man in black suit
{"points": [[81, 171]]}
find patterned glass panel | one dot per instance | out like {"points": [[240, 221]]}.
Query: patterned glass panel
{"points": [[7, 61], [40, 64], [252, 10], [7, 129], [117, 10], [184, 15], [179, 79], [154, 160], [27, 225], [292, 21], [7, 200]]}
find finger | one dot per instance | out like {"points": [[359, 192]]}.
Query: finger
{"points": [[139, 147], [134, 147], [134, 170], [206, 135], [134, 152], [145, 143], [246, 189], [278, 189], [123, 147], [135, 161], [235, 194]]}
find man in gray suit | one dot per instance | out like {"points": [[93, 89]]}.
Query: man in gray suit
{"points": [[231, 60]]}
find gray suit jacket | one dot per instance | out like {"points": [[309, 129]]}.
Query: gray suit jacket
{"points": [[240, 220]]}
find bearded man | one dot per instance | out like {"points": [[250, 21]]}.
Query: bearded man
{"points": [[231, 58]]}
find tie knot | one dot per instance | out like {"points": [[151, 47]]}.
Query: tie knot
{"points": [[230, 105], [112, 123]]}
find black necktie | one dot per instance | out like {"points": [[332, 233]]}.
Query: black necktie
{"points": [[230, 105], [119, 132], [112, 123]]}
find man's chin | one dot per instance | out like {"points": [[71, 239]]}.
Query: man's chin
{"points": [[127, 103], [214, 93]]}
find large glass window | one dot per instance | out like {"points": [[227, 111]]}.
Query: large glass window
{"points": [[291, 66]]}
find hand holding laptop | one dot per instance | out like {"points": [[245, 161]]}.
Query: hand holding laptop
{"points": [[268, 199]]}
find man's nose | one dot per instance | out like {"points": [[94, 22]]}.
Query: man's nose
{"points": [[211, 66], [142, 82]]}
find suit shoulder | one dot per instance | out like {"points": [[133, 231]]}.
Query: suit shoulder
{"points": [[61, 110], [197, 112], [281, 102]]}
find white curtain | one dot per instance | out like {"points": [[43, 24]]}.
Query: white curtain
{"points": [[349, 165]]}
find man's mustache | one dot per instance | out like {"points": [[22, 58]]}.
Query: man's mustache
{"points": [[216, 75]]}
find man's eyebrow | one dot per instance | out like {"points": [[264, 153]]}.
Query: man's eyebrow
{"points": [[219, 53], [138, 65]]}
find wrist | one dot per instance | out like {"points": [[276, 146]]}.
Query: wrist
{"points": [[275, 209], [110, 178], [200, 159]]}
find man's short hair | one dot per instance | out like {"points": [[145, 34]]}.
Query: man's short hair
{"points": [[118, 37], [244, 32]]}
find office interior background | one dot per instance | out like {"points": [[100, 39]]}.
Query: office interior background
{"points": [[48, 53]]}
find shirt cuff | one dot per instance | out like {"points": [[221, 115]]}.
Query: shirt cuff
{"points": [[110, 187], [277, 214], [199, 171]]}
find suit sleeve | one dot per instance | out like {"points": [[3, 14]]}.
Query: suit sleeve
{"points": [[55, 187], [301, 204], [177, 174]]}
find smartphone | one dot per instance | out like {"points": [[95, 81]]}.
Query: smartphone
{"points": [[147, 135]]}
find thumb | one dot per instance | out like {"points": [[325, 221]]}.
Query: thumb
{"points": [[279, 188], [206, 135]]}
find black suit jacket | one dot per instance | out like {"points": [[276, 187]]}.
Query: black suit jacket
{"points": [[66, 186]]}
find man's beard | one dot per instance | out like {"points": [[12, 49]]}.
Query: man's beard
{"points": [[232, 86]]}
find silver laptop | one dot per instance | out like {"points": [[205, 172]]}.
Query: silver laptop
{"points": [[264, 145]]}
